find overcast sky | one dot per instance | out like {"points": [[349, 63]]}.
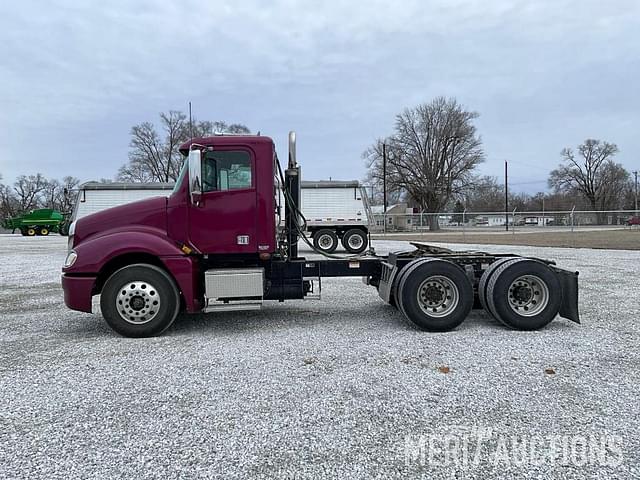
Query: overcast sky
{"points": [[76, 75]]}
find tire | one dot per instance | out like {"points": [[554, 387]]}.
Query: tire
{"points": [[64, 229], [484, 279], [325, 240], [524, 294], [44, 231], [395, 289], [128, 296], [436, 295], [354, 240], [23, 232], [31, 232]]}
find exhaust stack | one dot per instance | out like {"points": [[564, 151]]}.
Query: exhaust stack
{"points": [[292, 199], [292, 150]]}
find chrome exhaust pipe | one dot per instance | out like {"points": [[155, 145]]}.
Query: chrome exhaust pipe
{"points": [[292, 150]]}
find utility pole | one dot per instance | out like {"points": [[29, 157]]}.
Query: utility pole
{"points": [[384, 178], [636, 191], [384, 186], [506, 196]]}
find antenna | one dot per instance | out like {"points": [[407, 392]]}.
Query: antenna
{"points": [[190, 124]]}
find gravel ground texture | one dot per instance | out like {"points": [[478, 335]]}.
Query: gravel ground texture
{"points": [[342, 387]]}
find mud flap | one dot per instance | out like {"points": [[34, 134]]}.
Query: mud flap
{"points": [[569, 283], [386, 281]]}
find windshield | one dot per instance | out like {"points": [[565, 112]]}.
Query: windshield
{"points": [[183, 170]]}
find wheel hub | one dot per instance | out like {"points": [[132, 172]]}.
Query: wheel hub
{"points": [[522, 294], [433, 293], [438, 296], [355, 241], [528, 295], [138, 302], [325, 241]]}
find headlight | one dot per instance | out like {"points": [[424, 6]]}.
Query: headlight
{"points": [[71, 259]]}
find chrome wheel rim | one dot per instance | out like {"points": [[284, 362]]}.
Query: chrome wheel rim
{"points": [[355, 242], [138, 302], [325, 241], [438, 296], [528, 295]]}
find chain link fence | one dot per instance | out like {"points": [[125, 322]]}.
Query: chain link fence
{"points": [[514, 221]]}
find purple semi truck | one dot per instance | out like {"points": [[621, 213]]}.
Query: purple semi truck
{"points": [[215, 244]]}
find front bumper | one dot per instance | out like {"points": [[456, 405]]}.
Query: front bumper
{"points": [[78, 291]]}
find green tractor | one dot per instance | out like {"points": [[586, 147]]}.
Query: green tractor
{"points": [[38, 222]]}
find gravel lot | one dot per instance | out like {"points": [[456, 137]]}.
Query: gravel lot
{"points": [[329, 388]]}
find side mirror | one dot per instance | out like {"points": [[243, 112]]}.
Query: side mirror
{"points": [[195, 175]]}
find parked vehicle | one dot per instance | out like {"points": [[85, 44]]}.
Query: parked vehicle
{"points": [[213, 245], [335, 211], [629, 222], [42, 221]]}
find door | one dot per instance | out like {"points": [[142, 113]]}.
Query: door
{"points": [[225, 219]]}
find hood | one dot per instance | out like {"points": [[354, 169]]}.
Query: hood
{"points": [[150, 212]]}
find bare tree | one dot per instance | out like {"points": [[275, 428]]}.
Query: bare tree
{"points": [[29, 190], [154, 156], [51, 193], [592, 173], [66, 199], [8, 202], [431, 155], [484, 194]]}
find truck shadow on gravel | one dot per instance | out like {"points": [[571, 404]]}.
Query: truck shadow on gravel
{"points": [[384, 319]]}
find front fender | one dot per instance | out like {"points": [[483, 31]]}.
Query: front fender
{"points": [[94, 253]]}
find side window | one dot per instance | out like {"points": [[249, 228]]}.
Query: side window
{"points": [[226, 170]]}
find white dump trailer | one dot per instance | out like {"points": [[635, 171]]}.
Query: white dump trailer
{"points": [[336, 211], [97, 196]]}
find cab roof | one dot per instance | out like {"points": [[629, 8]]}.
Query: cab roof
{"points": [[225, 139]]}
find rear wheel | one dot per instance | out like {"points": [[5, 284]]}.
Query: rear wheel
{"points": [[354, 240], [524, 294], [140, 301], [486, 276], [43, 231], [325, 240], [436, 295], [31, 232]]}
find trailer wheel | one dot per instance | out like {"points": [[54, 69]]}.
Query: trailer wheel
{"points": [[484, 279], [436, 295], [140, 301], [23, 232], [31, 232], [354, 240], [43, 231], [325, 240], [524, 294]]}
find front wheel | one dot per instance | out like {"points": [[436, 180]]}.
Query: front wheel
{"points": [[140, 301]]}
